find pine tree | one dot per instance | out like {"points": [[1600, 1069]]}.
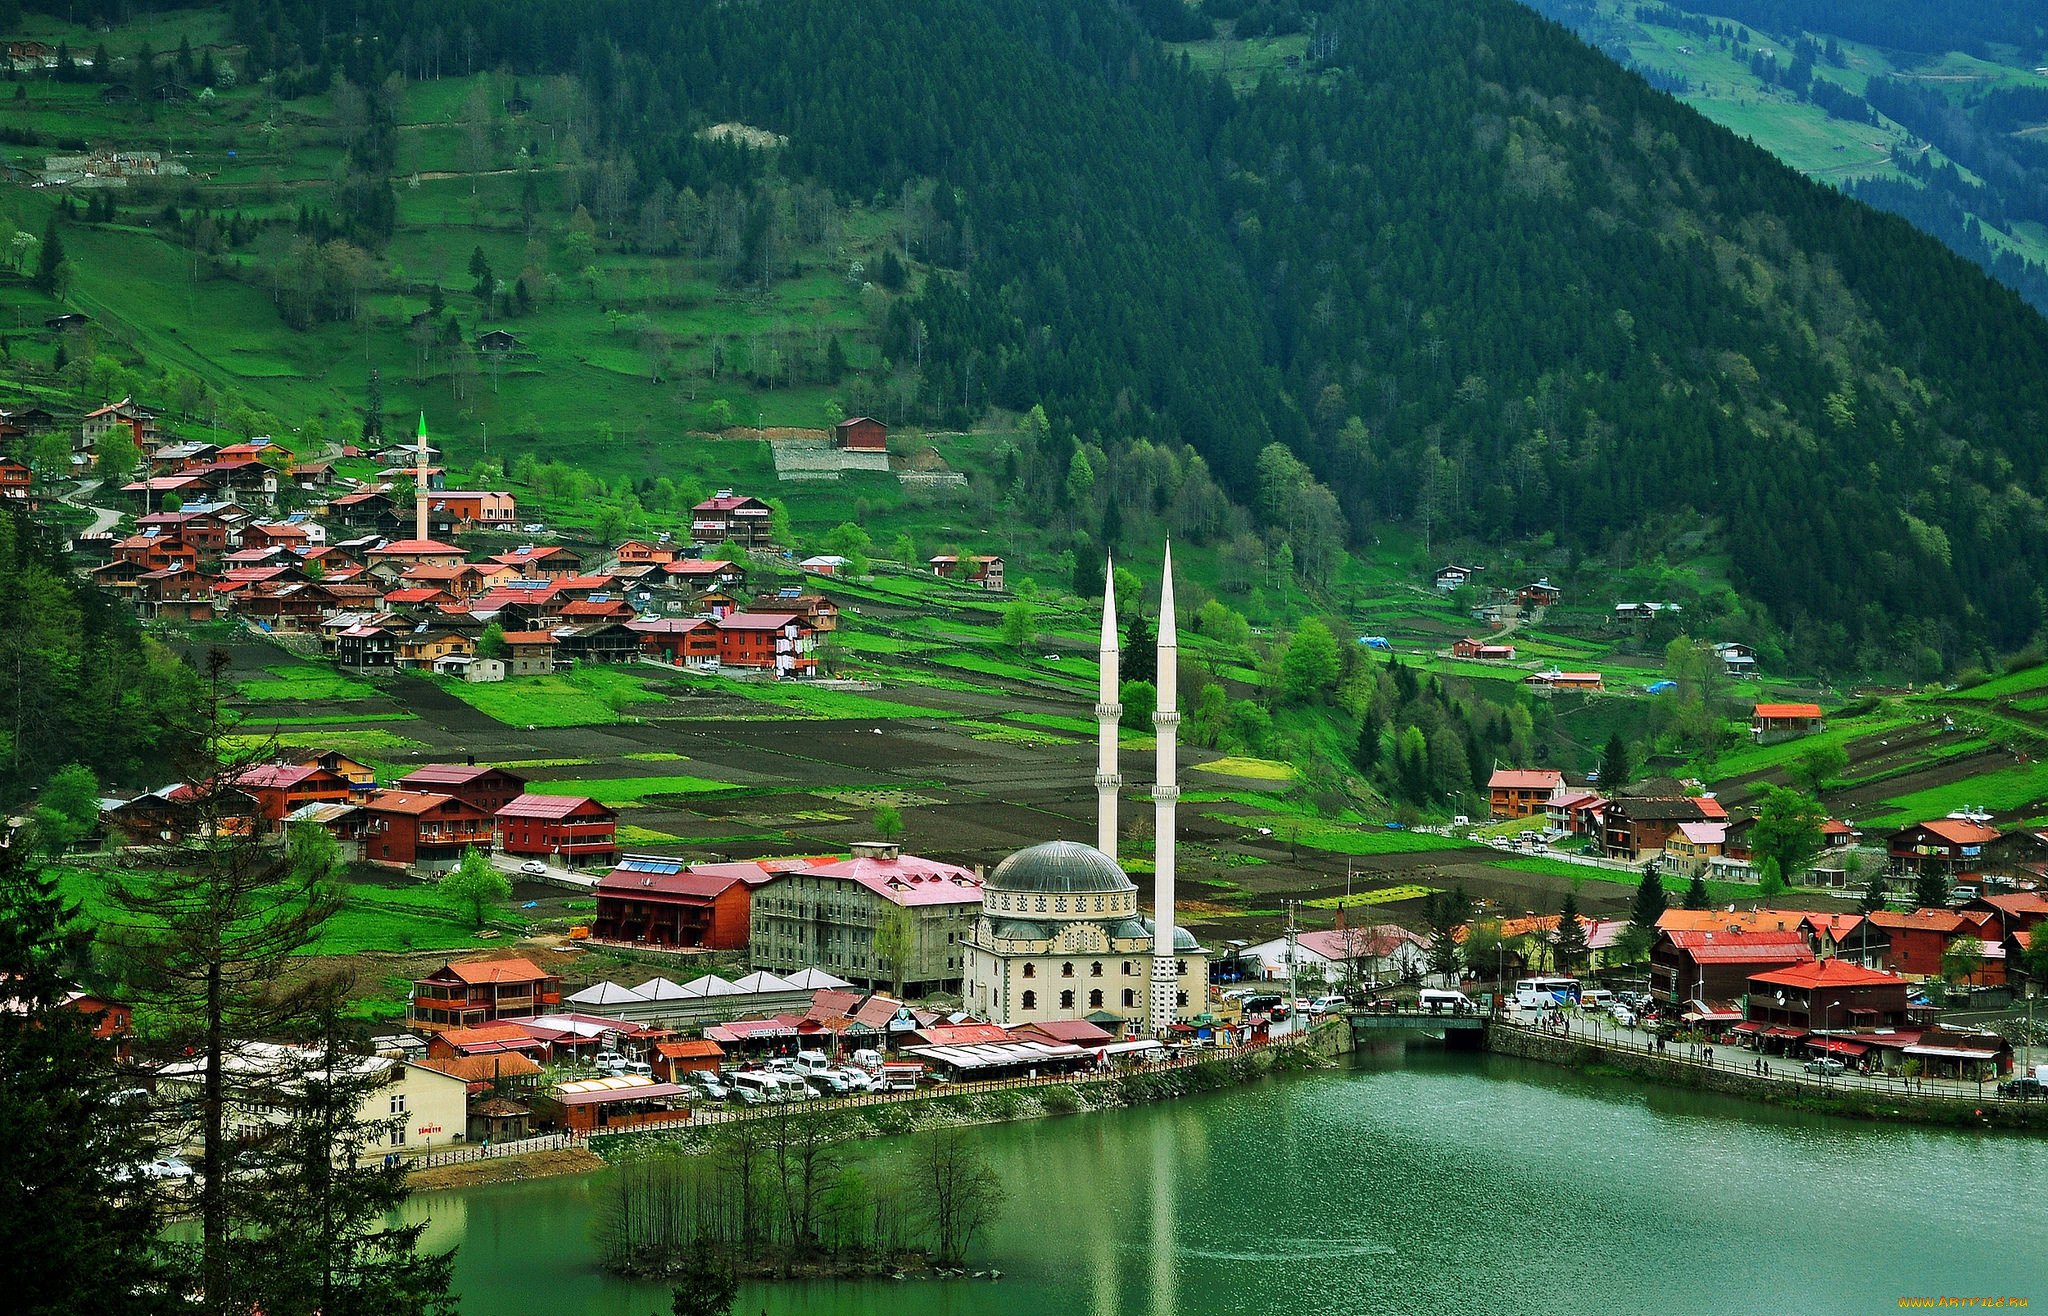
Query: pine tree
{"points": [[50, 260], [1930, 889], [373, 410], [1874, 895], [1140, 659], [1650, 904], [1365, 753], [1614, 764], [76, 1227], [1570, 948], [1696, 894]]}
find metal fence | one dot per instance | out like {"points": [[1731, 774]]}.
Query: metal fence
{"points": [[481, 1151], [1694, 1055]]}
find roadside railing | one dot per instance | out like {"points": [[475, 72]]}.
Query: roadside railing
{"points": [[1741, 1061], [478, 1151]]}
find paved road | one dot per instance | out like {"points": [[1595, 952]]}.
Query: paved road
{"points": [[104, 518]]}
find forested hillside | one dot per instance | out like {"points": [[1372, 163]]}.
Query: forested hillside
{"points": [[1479, 279]]}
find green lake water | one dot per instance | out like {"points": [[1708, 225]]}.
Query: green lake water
{"points": [[1407, 1184]]}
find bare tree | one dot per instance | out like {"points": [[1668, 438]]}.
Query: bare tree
{"points": [[962, 1194]]}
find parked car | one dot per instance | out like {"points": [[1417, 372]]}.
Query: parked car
{"points": [[1327, 1004], [748, 1097], [713, 1089], [1623, 1015], [2024, 1088], [1826, 1065], [534, 868]]}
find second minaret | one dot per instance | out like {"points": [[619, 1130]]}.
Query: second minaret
{"points": [[1165, 794]]}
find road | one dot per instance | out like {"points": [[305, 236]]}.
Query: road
{"points": [[508, 864], [104, 518]]}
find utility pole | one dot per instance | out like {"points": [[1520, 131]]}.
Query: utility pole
{"points": [[1293, 967]]}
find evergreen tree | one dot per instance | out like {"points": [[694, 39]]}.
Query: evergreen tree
{"points": [[77, 1226], [1087, 579], [1365, 752], [1140, 658], [1570, 947], [707, 1282], [1696, 894], [1446, 912], [1614, 764], [50, 261], [1930, 889], [373, 410], [1874, 895], [1650, 903]]}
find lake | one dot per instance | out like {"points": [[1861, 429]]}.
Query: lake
{"points": [[1407, 1183]]}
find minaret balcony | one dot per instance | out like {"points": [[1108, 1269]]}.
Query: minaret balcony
{"points": [[1103, 779], [1108, 711], [1166, 718], [1165, 794]]}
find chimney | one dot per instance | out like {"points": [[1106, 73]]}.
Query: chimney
{"points": [[877, 850], [470, 759]]}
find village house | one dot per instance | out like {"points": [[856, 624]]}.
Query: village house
{"points": [[174, 594], [735, 518], [282, 788], [404, 554], [1385, 952], [1772, 723], [639, 552], [706, 574], [361, 777], [773, 642], [571, 829], [1825, 995], [1636, 828], [367, 645], [1917, 941], [1949, 846], [1712, 965], [1524, 792], [420, 650], [1540, 594], [175, 815], [206, 532], [659, 901], [542, 562], [1694, 844], [529, 653], [826, 915], [1851, 937], [1578, 813], [1480, 651], [486, 787], [672, 1060], [1549, 682], [679, 641], [824, 564], [451, 510], [982, 571], [1450, 577], [597, 642], [409, 1107], [408, 829], [861, 434], [1738, 659], [16, 484], [468, 993], [821, 612]]}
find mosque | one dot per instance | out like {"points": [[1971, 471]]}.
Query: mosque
{"points": [[1060, 936]]}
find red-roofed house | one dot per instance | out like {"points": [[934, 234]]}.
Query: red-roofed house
{"points": [[474, 992], [1524, 792], [861, 434], [825, 916], [414, 829], [480, 784], [640, 551], [680, 641], [1480, 651], [658, 901], [279, 788], [543, 562], [1948, 846], [529, 653], [980, 571], [768, 641], [404, 553], [1578, 813], [572, 828], [706, 573], [1716, 964], [671, 1060], [1774, 722], [1825, 995], [1917, 941]]}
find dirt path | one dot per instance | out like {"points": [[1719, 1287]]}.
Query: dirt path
{"points": [[103, 518], [506, 1169]]}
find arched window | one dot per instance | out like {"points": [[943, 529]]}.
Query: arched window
{"points": [[1180, 968], [1127, 968], [1030, 969], [1095, 999], [1066, 1000], [1041, 904], [1031, 1000], [1180, 999], [1059, 904], [1130, 999], [1067, 969], [1095, 969]]}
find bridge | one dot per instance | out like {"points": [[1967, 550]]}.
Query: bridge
{"points": [[1462, 1029]]}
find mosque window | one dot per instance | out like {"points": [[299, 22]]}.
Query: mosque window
{"points": [[1041, 904], [1095, 969], [1067, 969], [1066, 1000], [1130, 999], [1180, 998], [1030, 969], [1031, 1000], [1059, 904], [1095, 999], [1180, 969], [1098, 904], [1127, 969]]}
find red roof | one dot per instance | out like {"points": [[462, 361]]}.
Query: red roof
{"points": [[1526, 779], [548, 806], [529, 637], [414, 802], [1828, 973], [908, 880], [1763, 946], [1788, 710], [689, 885], [690, 1049], [417, 548], [452, 774], [512, 970], [1958, 831], [758, 621], [276, 775], [424, 594], [965, 1034]]}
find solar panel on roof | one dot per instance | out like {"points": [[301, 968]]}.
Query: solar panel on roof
{"points": [[666, 867]]}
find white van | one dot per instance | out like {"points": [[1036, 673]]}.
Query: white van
{"points": [[1441, 1000], [1595, 998], [868, 1060], [812, 1062], [765, 1086]]}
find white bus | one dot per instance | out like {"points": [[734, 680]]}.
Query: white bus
{"points": [[1542, 993]]}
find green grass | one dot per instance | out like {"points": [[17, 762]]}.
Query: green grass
{"points": [[589, 696], [796, 699], [1759, 758], [2003, 791], [328, 720], [622, 792], [304, 682], [1383, 896], [1250, 768], [2022, 682]]}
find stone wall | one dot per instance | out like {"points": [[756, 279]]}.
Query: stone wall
{"points": [[1676, 1070]]}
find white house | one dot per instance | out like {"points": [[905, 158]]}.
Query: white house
{"points": [[410, 1107], [1385, 952]]}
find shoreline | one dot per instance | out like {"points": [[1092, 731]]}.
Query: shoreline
{"points": [[1876, 1104], [929, 1109]]}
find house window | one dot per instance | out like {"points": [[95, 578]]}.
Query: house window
{"points": [[1066, 1000], [1130, 999], [1030, 969], [1031, 1000], [398, 1134], [398, 1104], [1095, 999]]}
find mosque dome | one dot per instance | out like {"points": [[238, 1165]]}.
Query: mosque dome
{"points": [[1059, 868]]}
